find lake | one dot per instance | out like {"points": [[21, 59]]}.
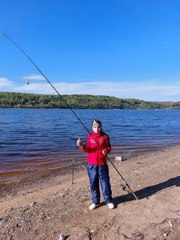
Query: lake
{"points": [[41, 140]]}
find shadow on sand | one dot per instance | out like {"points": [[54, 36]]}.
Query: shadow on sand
{"points": [[148, 191]]}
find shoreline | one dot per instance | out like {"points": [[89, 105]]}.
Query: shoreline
{"points": [[43, 168], [53, 206], [46, 175]]}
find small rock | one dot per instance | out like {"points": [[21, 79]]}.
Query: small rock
{"points": [[170, 224], [33, 204], [119, 158], [61, 237], [10, 208]]}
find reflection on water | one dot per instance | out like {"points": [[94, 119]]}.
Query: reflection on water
{"points": [[41, 140]]}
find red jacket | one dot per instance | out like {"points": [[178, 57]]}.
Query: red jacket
{"points": [[96, 142]]}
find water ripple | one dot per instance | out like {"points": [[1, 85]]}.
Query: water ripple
{"points": [[30, 136]]}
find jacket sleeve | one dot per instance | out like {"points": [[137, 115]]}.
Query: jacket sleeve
{"points": [[108, 148], [87, 147]]}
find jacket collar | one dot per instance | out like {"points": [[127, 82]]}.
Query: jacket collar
{"points": [[96, 134]]}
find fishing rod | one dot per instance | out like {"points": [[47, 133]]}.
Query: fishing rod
{"points": [[68, 106]]}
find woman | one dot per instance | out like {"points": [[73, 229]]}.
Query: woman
{"points": [[98, 146]]}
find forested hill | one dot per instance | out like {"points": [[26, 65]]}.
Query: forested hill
{"points": [[22, 100]]}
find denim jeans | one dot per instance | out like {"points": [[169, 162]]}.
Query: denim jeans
{"points": [[99, 174]]}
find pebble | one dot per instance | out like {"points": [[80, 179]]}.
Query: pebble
{"points": [[33, 204], [61, 237], [119, 158]]}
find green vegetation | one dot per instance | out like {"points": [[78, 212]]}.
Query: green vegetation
{"points": [[22, 100]]}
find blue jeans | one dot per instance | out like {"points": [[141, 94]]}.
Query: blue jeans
{"points": [[99, 174]]}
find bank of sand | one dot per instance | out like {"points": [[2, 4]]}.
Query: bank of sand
{"points": [[46, 209]]}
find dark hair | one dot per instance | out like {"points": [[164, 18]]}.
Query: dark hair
{"points": [[97, 121]]}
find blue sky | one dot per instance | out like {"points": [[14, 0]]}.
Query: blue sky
{"points": [[122, 48]]}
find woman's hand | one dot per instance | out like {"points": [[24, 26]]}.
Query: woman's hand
{"points": [[104, 151], [79, 142]]}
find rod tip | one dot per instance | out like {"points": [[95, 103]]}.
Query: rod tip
{"points": [[3, 34]]}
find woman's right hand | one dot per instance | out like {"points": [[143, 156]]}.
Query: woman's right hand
{"points": [[79, 142]]}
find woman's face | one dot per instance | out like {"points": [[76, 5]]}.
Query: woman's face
{"points": [[96, 127]]}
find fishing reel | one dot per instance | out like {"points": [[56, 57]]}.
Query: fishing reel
{"points": [[123, 186]]}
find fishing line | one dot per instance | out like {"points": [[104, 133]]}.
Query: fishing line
{"points": [[68, 106]]}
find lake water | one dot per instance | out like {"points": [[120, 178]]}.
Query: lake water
{"points": [[41, 140]]}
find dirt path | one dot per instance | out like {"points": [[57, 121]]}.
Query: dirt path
{"points": [[47, 209]]}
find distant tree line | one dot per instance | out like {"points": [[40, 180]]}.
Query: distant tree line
{"points": [[81, 101]]}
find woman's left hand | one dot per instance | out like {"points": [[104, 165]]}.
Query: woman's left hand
{"points": [[104, 151]]}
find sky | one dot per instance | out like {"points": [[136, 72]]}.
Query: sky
{"points": [[121, 48]]}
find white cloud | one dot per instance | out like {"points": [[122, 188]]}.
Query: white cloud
{"points": [[147, 90], [5, 84], [33, 77]]}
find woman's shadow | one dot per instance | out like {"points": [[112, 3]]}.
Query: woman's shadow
{"points": [[147, 191]]}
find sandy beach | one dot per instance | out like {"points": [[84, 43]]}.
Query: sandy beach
{"points": [[53, 206]]}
